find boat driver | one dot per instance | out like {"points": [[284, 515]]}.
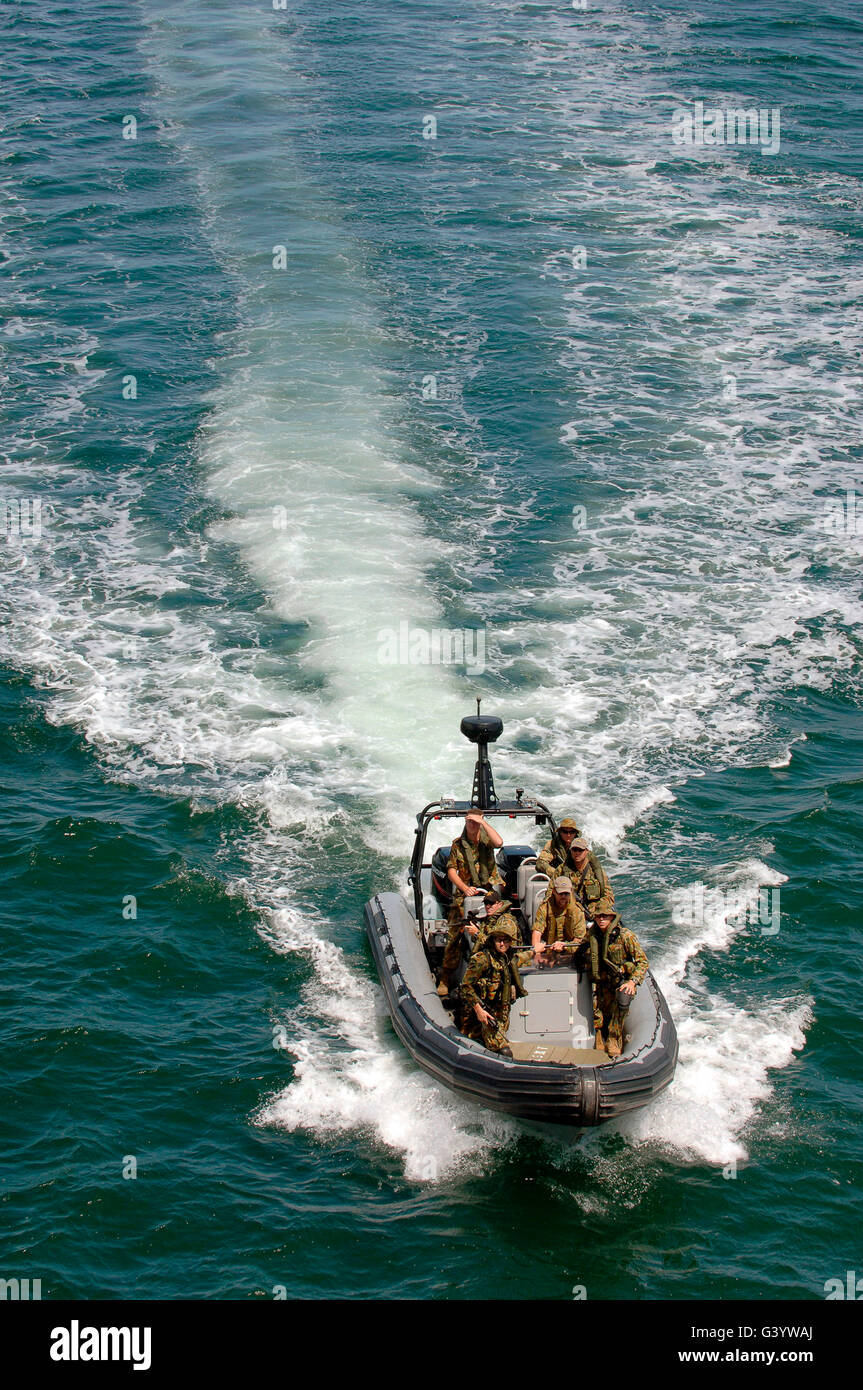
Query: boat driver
{"points": [[471, 869]]}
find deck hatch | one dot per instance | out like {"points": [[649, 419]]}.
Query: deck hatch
{"points": [[548, 1011]]}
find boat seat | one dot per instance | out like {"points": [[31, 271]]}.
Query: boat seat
{"points": [[523, 873], [535, 890], [474, 905]]}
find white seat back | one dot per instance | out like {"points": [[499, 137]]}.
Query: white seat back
{"points": [[537, 887], [525, 869], [474, 904]]}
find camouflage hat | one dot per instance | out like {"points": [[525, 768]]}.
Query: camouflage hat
{"points": [[504, 929], [604, 908], [562, 884], [580, 843], [568, 824]]}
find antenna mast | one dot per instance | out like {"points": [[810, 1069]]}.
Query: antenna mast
{"points": [[482, 730]]}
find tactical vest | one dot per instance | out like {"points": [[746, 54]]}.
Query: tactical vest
{"points": [[599, 874], [496, 986], [607, 953], [557, 923], [493, 988], [479, 859], [500, 993]]}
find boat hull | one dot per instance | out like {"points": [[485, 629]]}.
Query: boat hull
{"points": [[549, 1093]]}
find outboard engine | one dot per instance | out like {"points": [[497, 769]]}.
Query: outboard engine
{"points": [[441, 886], [508, 859]]}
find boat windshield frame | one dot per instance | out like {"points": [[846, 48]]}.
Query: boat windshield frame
{"points": [[449, 809]]}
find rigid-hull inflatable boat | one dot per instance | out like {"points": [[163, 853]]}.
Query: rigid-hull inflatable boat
{"points": [[555, 1074]]}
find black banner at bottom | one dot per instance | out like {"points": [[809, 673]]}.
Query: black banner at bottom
{"points": [[158, 1339]]}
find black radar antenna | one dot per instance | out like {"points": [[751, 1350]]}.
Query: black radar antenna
{"points": [[482, 729]]}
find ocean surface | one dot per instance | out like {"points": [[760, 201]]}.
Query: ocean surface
{"points": [[339, 320]]}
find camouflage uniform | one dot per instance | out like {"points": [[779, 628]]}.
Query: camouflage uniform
{"points": [[474, 864], [488, 925], [550, 861], [566, 925], [624, 952], [491, 981], [588, 884]]}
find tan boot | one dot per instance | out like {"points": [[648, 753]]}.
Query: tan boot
{"points": [[445, 986], [612, 1047], [600, 1045]]}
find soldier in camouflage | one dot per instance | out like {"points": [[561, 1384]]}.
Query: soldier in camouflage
{"points": [[489, 987], [589, 879], [559, 921], [496, 913], [471, 869], [550, 861], [617, 967], [478, 928]]}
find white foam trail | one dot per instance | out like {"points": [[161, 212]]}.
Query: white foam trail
{"points": [[157, 691], [723, 1075], [297, 446], [661, 641], [298, 441], [347, 1078], [726, 1050], [712, 921]]}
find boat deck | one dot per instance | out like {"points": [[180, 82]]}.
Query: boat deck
{"points": [[552, 1052]]}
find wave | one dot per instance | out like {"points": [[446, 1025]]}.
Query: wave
{"points": [[702, 425]]}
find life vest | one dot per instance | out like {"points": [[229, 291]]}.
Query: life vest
{"points": [[477, 862], [599, 943]]}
